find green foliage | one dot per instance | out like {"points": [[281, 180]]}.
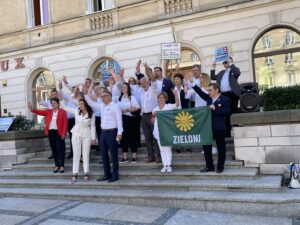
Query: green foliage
{"points": [[21, 123], [280, 98]]}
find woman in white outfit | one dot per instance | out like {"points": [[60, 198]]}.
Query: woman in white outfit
{"points": [[165, 151], [83, 135]]}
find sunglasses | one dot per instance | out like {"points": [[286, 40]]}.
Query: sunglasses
{"points": [[225, 63]]}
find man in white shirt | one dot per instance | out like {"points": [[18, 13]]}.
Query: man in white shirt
{"points": [[111, 135], [227, 79], [148, 101]]}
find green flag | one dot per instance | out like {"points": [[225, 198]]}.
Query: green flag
{"points": [[185, 127]]}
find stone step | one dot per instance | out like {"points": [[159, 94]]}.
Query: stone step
{"points": [[259, 184], [141, 157], [140, 165], [194, 173], [285, 203]]}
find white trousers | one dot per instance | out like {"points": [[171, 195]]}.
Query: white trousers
{"points": [[81, 146], [166, 154]]}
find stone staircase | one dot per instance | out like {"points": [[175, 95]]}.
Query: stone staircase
{"points": [[237, 190]]}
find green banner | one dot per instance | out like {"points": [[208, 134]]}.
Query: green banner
{"points": [[185, 127]]}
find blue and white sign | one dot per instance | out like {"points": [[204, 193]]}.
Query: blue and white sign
{"points": [[5, 123], [221, 54]]}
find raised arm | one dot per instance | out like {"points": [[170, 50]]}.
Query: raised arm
{"points": [[67, 83], [235, 70]]}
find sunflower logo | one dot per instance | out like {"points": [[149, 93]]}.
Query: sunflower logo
{"points": [[184, 121]]}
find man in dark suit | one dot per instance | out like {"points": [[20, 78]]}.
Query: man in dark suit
{"points": [[227, 80], [164, 84], [220, 108]]}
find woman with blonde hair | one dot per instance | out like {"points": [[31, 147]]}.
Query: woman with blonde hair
{"points": [[204, 83]]}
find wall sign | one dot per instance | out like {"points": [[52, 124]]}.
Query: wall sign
{"points": [[170, 51], [4, 64]]}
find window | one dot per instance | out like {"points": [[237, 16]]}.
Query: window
{"points": [[38, 12], [290, 38], [267, 42], [99, 5], [102, 70], [42, 85], [188, 59], [277, 58]]}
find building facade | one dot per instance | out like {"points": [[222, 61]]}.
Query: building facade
{"points": [[43, 40]]}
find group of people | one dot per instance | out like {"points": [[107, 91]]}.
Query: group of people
{"points": [[113, 114]]}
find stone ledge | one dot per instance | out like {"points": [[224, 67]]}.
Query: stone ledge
{"points": [[15, 135], [268, 117]]}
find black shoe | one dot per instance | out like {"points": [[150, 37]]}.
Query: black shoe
{"points": [[50, 157], [113, 179], [205, 170], [219, 170], [100, 162], [133, 160], [70, 156], [103, 178], [124, 161], [189, 150]]}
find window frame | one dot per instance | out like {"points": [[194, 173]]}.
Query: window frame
{"points": [[271, 52]]}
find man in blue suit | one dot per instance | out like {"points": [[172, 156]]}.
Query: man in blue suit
{"points": [[220, 108], [164, 84]]}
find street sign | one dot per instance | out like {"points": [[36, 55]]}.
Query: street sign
{"points": [[221, 54], [5, 123], [170, 51]]}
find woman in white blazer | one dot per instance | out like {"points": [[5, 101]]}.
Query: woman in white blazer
{"points": [[83, 135]]}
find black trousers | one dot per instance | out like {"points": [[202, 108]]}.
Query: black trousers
{"points": [[58, 148], [219, 136], [151, 143], [137, 129], [129, 134], [234, 101], [98, 129], [109, 143], [71, 124]]}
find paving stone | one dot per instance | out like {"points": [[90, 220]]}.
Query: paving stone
{"points": [[138, 214], [65, 222], [93, 210], [11, 219], [198, 218], [258, 220], [28, 205]]}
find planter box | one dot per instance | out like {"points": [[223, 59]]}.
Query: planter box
{"points": [[268, 140], [17, 146]]}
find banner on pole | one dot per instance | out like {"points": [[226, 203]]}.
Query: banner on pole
{"points": [[185, 127]]}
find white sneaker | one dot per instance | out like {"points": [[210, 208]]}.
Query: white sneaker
{"points": [[214, 150], [164, 169], [169, 169]]}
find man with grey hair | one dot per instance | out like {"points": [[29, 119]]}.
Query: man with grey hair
{"points": [[148, 101]]}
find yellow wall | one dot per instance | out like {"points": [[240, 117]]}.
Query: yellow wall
{"points": [[15, 9], [67, 9]]}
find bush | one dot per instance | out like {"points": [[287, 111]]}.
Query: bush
{"points": [[21, 123], [280, 98]]}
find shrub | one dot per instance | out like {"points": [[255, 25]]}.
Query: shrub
{"points": [[21, 123], [280, 98]]}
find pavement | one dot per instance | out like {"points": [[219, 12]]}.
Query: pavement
{"points": [[28, 211]]}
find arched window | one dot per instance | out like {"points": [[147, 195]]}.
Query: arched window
{"points": [[102, 69], [277, 58], [188, 59], [42, 85]]}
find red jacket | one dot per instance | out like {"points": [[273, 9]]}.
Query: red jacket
{"points": [[61, 121]]}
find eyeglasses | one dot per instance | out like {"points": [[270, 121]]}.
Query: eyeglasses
{"points": [[225, 63]]}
